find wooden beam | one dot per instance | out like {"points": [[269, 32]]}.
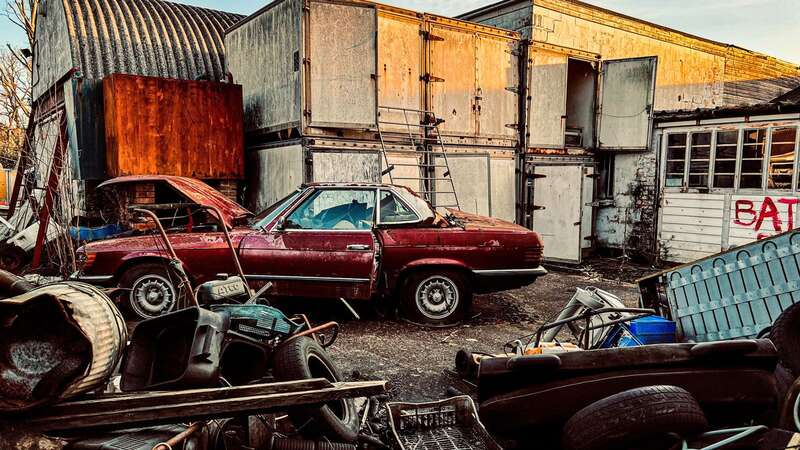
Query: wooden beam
{"points": [[184, 406]]}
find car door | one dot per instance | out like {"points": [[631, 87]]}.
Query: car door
{"points": [[323, 247]]}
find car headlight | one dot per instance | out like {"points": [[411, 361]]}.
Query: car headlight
{"points": [[84, 260]]}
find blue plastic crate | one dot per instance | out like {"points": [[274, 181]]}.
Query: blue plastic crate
{"points": [[735, 294], [654, 330]]}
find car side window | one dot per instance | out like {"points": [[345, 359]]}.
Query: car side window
{"points": [[334, 209], [393, 210]]}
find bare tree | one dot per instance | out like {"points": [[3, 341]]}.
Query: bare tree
{"points": [[16, 71]]}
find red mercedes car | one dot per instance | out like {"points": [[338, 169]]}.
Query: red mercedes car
{"points": [[351, 241]]}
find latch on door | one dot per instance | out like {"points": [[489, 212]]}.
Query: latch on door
{"points": [[357, 247]]}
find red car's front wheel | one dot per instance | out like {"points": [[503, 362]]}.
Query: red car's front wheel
{"points": [[436, 297], [151, 290]]}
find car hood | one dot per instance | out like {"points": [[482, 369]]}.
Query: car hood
{"points": [[195, 190], [477, 222]]}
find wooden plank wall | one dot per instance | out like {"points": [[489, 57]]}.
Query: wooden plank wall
{"points": [[173, 127]]}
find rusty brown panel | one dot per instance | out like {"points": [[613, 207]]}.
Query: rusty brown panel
{"points": [[173, 127]]}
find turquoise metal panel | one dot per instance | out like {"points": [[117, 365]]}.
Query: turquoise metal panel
{"points": [[735, 294]]}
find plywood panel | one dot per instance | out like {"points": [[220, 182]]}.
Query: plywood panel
{"points": [[548, 104], [173, 127], [559, 222], [343, 55], [273, 174], [399, 67], [498, 72], [504, 187], [264, 55], [452, 60], [346, 166], [470, 174]]}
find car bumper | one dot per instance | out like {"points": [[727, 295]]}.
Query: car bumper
{"points": [[100, 280], [495, 280]]}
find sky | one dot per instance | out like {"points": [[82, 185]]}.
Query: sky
{"points": [[767, 26]]}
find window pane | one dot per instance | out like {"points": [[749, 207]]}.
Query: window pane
{"points": [[781, 160], [755, 136], [723, 181], [727, 138], [751, 166], [699, 159], [334, 209], [676, 140], [701, 139], [750, 182], [723, 167], [675, 167], [394, 211], [676, 153]]}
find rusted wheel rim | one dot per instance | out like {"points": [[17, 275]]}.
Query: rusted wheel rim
{"points": [[437, 297], [152, 295]]}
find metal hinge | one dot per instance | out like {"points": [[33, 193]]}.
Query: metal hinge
{"points": [[537, 208], [513, 126], [428, 78], [307, 112], [430, 37], [536, 176], [513, 89]]}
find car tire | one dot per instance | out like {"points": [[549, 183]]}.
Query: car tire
{"points": [[435, 297], [151, 290], [12, 258], [627, 420], [303, 358], [785, 334]]}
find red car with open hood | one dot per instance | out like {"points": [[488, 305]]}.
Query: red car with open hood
{"points": [[335, 240]]}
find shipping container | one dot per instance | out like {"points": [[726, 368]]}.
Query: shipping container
{"points": [[326, 68], [173, 127], [484, 179]]}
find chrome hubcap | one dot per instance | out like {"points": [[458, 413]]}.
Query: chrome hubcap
{"points": [[437, 297], [152, 295]]}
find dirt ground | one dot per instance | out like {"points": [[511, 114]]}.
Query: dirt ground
{"points": [[419, 362]]}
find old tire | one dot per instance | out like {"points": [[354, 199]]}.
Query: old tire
{"points": [[302, 359], [12, 258], [435, 297], [151, 290], [627, 419], [785, 334]]}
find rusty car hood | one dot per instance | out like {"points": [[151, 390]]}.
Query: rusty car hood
{"points": [[193, 189], [476, 222]]}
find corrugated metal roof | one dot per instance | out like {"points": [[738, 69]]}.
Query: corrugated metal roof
{"points": [[147, 37]]}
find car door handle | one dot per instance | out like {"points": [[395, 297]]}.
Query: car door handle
{"points": [[358, 247]]}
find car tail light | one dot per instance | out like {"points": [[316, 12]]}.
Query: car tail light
{"points": [[532, 254]]}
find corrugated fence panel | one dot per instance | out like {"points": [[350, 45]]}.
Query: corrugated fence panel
{"points": [[147, 37]]}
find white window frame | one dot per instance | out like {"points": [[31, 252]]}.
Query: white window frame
{"points": [[740, 127]]}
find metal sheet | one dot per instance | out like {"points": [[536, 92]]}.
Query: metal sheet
{"points": [[343, 57], [471, 176], [587, 213], [504, 187], [346, 166], [453, 85], [627, 90], [173, 127], [558, 221], [691, 226], [548, 105], [143, 37], [273, 174], [264, 55], [399, 67], [497, 70]]}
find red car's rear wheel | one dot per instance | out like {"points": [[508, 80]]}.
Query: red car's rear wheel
{"points": [[436, 297]]}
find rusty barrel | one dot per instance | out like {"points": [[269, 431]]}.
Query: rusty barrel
{"points": [[57, 341]]}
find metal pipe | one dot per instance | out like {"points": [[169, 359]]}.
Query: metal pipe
{"points": [[230, 245], [180, 437], [12, 285]]}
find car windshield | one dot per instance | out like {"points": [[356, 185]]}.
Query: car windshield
{"points": [[416, 202], [269, 214]]}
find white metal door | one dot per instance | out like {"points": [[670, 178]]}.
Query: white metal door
{"points": [[451, 73], [548, 105], [557, 195], [627, 92], [343, 57]]}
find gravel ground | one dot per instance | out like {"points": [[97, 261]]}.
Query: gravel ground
{"points": [[418, 362]]}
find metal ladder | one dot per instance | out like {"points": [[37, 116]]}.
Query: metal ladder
{"points": [[420, 131]]}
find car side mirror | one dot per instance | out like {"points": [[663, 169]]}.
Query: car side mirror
{"points": [[281, 224]]}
